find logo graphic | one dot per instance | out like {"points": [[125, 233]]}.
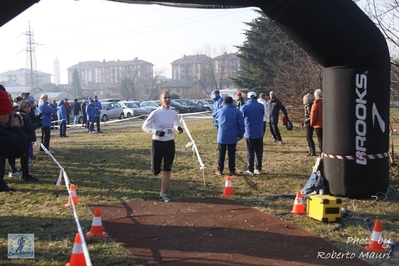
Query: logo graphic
{"points": [[21, 246]]}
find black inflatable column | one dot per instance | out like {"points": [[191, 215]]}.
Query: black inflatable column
{"points": [[355, 88]]}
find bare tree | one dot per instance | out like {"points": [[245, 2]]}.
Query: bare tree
{"points": [[215, 74], [151, 84], [295, 78], [385, 14]]}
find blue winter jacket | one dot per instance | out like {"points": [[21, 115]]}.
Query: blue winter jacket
{"points": [[97, 107], [62, 112], [90, 112], [216, 106], [47, 113], [230, 124], [253, 113]]}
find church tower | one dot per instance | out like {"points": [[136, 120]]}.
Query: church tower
{"points": [[57, 75]]}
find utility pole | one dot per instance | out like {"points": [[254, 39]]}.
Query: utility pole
{"points": [[31, 74]]}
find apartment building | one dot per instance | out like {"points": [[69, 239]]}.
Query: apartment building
{"points": [[109, 73]]}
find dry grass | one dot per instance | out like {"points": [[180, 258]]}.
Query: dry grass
{"points": [[115, 167]]}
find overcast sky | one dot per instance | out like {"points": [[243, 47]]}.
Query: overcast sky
{"points": [[94, 30]]}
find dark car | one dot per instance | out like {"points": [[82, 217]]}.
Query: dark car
{"points": [[181, 109], [194, 106]]}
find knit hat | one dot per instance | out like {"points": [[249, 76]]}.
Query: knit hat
{"points": [[239, 94], [5, 104]]}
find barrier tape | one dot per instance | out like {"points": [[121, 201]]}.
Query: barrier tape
{"points": [[75, 215], [350, 157]]}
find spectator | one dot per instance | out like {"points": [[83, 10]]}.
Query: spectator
{"points": [[91, 116], [240, 100], [30, 131], [308, 102], [68, 110], [54, 116], [47, 113], [161, 124], [230, 130], [84, 115], [13, 140], [316, 117], [97, 108], [253, 113], [76, 111], [216, 105], [273, 107], [25, 96], [62, 118], [36, 118], [262, 99]]}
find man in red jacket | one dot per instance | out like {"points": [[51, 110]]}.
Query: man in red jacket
{"points": [[316, 116]]}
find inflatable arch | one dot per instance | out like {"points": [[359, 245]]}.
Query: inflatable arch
{"points": [[356, 82]]}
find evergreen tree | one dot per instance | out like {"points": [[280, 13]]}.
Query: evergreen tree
{"points": [[265, 44], [76, 83]]}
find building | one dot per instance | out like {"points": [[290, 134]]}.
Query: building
{"points": [[195, 76], [22, 76], [109, 73]]}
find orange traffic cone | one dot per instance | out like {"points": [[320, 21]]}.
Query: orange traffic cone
{"points": [[96, 229], [228, 187], [77, 256], [376, 243], [73, 195], [298, 204]]}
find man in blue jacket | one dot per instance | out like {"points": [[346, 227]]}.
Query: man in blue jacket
{"points": [[62, 114], [230, 130], [216, 105], [97, 107], [253, 113]]}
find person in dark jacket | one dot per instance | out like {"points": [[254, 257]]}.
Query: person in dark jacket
{"points": [[307, 106], [76, 111], [253, 113], [30, 131], [13, 139], [47, 113], [84, 115], [273, 107], [240, 100], [230, 130], [62, 115]]}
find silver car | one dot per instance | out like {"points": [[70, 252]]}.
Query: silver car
{"points": [[131, 108], [111, 110]]}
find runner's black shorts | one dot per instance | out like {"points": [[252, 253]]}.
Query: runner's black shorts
{"points": [[162, 150]]}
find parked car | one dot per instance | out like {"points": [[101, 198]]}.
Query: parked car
{"points": [[131, 108], [111, 110], [206, 104], [114, 100], [181, 109], [153, 104], [195, 106]]}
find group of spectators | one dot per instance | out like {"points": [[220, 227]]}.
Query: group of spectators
{"points": [[249, 120], [17, 132]]}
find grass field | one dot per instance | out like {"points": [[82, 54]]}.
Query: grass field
{"points": [[115, 167]]}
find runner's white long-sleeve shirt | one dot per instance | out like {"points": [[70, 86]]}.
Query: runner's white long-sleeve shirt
{"points": [[162, 119]]}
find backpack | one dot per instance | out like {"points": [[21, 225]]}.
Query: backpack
{"points": [[314, 184]]}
